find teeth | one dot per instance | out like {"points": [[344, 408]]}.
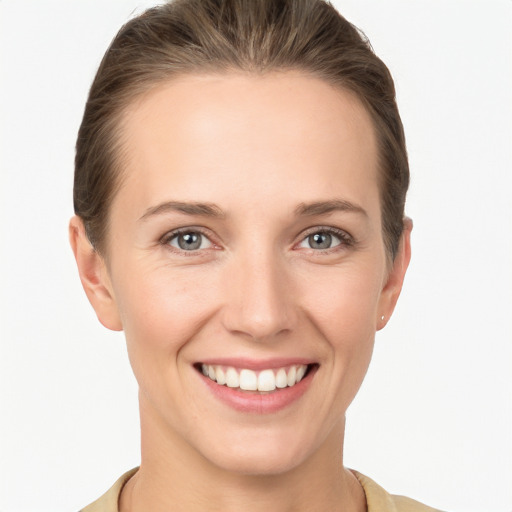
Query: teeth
{"points": [[232, 380], [249, 380], [281, 378], [292, 374], [220, 376], [266, 381], [301, 371]]}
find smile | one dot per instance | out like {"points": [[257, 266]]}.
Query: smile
{"points": [[245, 379], [257, 387]]}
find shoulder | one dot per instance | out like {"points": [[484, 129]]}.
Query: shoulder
{"points": [[378, 500], [109, 501]]}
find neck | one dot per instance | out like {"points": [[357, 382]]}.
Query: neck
{"points": [[173, 476]]}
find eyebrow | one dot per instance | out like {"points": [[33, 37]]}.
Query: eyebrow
{"points": [[325, 207], [212, 210], [201, 209]]}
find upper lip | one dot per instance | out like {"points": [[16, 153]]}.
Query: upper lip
{"points": [[257, 364]]}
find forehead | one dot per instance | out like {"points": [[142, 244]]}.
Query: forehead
{"points": [[200, 136]]}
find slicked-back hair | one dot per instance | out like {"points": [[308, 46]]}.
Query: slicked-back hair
{"points": [[222, 36]]}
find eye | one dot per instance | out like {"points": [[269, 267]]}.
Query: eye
{"points": [[324, 239], [188, 241]]}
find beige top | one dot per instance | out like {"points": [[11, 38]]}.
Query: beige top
{"points": [[377, 498]]}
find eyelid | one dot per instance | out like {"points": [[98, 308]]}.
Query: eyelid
{"points": [[346, 239], [169, 235]]}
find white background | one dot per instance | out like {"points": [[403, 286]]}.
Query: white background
{"points": [[433, 419]]}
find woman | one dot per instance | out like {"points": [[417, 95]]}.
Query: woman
{"points": [[239, 193]]}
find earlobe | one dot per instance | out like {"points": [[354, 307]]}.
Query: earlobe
{"points": [[94, 276], [395, 278]]}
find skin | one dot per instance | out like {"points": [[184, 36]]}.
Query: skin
{"points": [[259, 148]]}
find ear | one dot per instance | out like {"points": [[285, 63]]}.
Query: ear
{"points": [[395, 278], [94, 276]]}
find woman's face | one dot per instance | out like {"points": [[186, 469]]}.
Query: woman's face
{"points": [[246, 243]]}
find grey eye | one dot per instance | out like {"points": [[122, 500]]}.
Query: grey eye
{"points": [[321, 240], [190, 241]]}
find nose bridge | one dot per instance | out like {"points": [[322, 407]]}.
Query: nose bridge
{"points": [[259, 298]]}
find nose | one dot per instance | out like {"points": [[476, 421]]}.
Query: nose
{"points": [[260, 300]]}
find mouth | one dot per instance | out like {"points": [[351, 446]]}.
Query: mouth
{"points": [[257, 387], [266, 380]]}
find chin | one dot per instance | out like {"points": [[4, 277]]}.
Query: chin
{"points": [[257, 465], [263, 455]]}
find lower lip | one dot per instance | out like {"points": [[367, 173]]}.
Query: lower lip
{"points": [[260, 403]]}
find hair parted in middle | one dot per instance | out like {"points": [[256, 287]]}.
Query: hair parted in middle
{"points": [[223, 36]]}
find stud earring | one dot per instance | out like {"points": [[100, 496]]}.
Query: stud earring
{"points": [[382, 317]]}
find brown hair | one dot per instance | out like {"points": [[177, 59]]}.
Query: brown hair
{"points": [[190, 36]]}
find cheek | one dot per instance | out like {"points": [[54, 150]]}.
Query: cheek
{"points": [[343, 303], [344, 313], [162, 310]]}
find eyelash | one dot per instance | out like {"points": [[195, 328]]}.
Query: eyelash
{"points": [[346, 240], [168, 237]]}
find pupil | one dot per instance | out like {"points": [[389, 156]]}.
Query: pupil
{"points": [[189, 241], [320, 241]]}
